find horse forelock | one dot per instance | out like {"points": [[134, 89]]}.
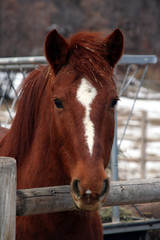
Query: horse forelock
{"points": [[87, 54]]}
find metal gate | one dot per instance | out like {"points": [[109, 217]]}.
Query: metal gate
{"points": [[14, 70]]}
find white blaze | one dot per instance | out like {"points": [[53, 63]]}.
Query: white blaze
{"points": [[86, 93]]}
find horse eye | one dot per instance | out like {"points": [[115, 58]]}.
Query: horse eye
{"points": [[58, 103], [114, 102]]}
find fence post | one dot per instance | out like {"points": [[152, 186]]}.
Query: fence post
{"points": [[114, 168], [143, 144], [7, 198]]}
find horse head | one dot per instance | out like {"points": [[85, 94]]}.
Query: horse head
{"points": [[83, 96]]}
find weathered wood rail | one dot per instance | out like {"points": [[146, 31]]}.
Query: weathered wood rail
{"points": [[56, 199], [140, 136]]}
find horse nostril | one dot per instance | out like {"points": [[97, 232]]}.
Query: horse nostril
{"points": [[75, 187], [105, 189], [78, 192]]}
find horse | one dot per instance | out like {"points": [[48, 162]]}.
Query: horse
{"points": [[63, 132]]}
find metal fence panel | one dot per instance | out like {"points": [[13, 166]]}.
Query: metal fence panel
{"points": [[13, 71]]}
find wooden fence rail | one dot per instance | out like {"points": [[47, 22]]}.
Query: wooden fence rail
{"points": [[142, 133], [57, 199]]}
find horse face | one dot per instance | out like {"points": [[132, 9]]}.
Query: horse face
{"points": [[83, 116], [83, 120]]}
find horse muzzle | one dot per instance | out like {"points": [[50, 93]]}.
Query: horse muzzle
{"points": [[87, 198]]}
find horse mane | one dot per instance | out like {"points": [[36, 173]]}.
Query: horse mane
{"points": [[19, 138]]}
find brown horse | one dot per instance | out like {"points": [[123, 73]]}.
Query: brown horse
{"points": [[63, 132]]}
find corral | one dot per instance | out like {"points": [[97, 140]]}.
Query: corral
{"points": [[120, 188]]}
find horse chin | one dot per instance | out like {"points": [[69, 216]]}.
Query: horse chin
{"points": [[88, 204]]}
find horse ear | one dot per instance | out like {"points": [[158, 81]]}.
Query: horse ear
{"points": [[114, 47], [56, 50]]}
